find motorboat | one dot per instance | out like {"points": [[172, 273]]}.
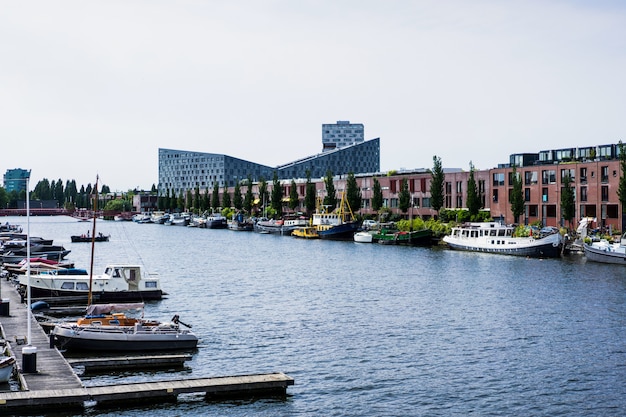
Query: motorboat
{"points": [[495, 237], [363, 236], [118, 283], [86, 238], [305, 232], [108, 327], [37, 265], [606, 252], [216, 221]]}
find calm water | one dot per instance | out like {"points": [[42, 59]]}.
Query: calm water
{"points": [[372, 330]]}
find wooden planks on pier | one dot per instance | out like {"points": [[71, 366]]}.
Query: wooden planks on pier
{"points": [[130, 362], [53, 371], [128, 394]]}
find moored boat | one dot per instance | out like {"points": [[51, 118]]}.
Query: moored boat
{"points": [[364, 236], [119, 282], [421, 237], [7, 364], [305, 232], [86, 238], [107, 327], [216, 221], [606, 252], [337, 225], [495, 237]]}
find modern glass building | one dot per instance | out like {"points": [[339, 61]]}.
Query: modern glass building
{"points": [[181, 171], [15, 179]]}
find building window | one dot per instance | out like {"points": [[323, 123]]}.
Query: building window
{"points": [[583, 175], [495, 196], [527, 194], [533, 210], [605, 193], [530, 178], [498, 179], [548, 177], [565, 173], [583, 193], [544, 195], [604, 176]]}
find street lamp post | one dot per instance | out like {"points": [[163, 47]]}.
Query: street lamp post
{"points": [[29, 352]]}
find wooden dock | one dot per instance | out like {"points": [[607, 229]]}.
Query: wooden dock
{"points": [[274, 384], [55, 384], [130, 362]]}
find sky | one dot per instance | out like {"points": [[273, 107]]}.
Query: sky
{"points": [[94, 88]]}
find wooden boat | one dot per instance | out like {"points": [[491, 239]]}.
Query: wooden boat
{"points": [[605, 252], [107, 327], [118, 283], [337, 225], [494, 237], [397, 237], [86, 238], [305, 232]]}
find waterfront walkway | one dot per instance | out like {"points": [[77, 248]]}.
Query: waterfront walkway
{"points": [[52, 370]]}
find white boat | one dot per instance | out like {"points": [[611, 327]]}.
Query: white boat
{"points": [[494, 237], [106, 327], [119, 282], [363, 237], [284, 226], [605, 252], [7, 363]]}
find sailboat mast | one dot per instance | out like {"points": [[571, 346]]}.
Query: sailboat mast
{"points": [[93, 240]]}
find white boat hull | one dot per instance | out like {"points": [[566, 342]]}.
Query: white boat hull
{"points": [[121, 338], [608, 254]]}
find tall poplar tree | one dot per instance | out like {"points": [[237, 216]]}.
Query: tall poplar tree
{"points": [[353, 193], [404, 196], [247, 202], [237, 199], [473, 199], [377, 195], [621, 188], [215, 197], [568, 204], [517, 197], [437, 185], [277, 195], [330, 200], [294, 200], [310, 197]]}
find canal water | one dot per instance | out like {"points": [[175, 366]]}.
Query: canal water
{"points": [[374, 330]]}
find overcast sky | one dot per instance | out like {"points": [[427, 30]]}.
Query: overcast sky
{"points": [[97, 87]]}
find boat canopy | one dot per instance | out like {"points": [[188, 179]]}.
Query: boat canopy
{"points": [[97, 309]]}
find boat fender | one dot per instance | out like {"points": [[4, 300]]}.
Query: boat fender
{"points": [[39, 305]]}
